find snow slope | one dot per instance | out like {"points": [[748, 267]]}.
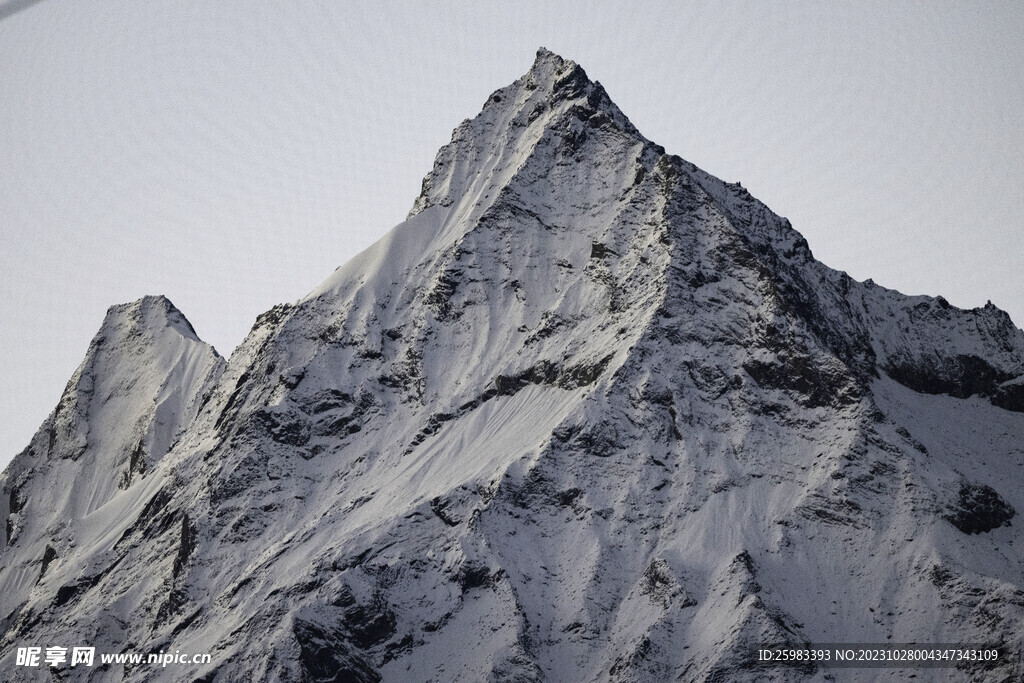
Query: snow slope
{"points": [[588, 414]]}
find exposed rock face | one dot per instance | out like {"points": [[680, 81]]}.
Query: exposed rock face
{"points": [[588, 414], [979, 509]]}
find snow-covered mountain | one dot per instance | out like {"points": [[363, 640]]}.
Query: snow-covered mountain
{"points": [[588, 414]]}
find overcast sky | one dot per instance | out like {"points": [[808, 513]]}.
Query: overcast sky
{"points": [[230, 155]]}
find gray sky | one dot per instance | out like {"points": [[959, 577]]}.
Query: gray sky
{"points": [[230, 155]]}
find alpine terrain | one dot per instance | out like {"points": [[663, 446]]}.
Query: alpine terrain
{"points": [[588, 414]]}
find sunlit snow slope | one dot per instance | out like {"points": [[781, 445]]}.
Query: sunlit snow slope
{"points": [[589, 414]]}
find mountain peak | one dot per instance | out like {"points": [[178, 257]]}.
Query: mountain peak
{"points": [[150, 316], [553, 102], [546, 57], [550, 67], [140, 347], [143, 380]]}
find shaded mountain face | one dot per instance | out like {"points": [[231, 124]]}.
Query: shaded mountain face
{"points": [[588, 414]]}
